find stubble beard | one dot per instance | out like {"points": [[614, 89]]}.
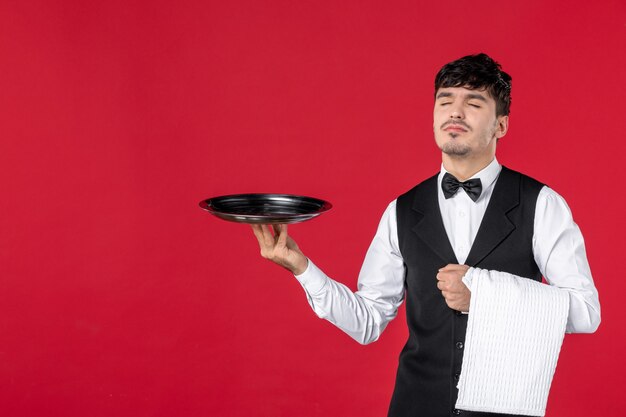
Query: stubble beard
{"points": [[459, 150], [455, 149], [451, 147]]}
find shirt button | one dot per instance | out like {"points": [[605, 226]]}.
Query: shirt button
{"points": [[456, 412], [459, 345], [461, 214]]}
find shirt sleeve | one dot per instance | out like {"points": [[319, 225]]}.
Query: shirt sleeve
{"points": [[559, 251], [363, 315]]}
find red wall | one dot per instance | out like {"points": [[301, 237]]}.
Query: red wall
{"points": [[120, 297]]}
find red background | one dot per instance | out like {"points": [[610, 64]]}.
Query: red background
{"points": [[120, 297]]}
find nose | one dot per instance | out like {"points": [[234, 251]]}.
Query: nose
{"points": [[456, 112]]}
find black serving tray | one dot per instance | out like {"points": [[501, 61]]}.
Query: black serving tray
{"points": [[265, 208]]}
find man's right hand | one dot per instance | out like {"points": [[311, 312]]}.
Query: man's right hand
{"points": [[279, 248]]}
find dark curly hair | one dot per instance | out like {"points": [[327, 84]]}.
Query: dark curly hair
{"points": [[478, 72]]}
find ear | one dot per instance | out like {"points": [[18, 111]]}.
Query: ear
{"points": [[502, 126]]}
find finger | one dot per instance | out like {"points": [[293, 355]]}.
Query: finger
{"points": [[275, 228], [450, 296], [449, 267], [257, 229], [454, 267], [291, 244], [261, 234], [281, 232], [268, 239], [278, 229]]}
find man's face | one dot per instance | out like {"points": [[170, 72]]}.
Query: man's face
{"points": [[465, 122]]}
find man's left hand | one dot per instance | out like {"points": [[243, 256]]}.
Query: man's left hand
{"points": [[454, 291]]}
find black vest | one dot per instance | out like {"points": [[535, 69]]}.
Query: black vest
{"points": [[430, 363]]}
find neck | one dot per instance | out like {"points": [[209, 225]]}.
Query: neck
{"points": [[464, 167]]}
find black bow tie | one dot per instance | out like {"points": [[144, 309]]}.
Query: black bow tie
{"points": [[450, 185]]}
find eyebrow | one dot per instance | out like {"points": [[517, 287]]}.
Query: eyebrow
{"points": [[476, 96], [470, 96], [444, 94]]}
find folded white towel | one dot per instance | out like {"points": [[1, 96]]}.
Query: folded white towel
{"points": [[514, 335]]}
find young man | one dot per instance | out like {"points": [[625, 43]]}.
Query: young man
{"points": [[475, 215]]}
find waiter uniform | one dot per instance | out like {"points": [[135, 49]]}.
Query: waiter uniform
{"points": [[430, 232]]}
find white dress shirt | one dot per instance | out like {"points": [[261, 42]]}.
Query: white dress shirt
{"points": [[558, 249]]}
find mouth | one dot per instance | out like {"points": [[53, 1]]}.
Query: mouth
{"points": [[455, 128]]}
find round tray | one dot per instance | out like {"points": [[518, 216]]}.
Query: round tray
{"points": [[265, 208]]}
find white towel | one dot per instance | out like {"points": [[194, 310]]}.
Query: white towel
{"points": [[514, 335]]}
